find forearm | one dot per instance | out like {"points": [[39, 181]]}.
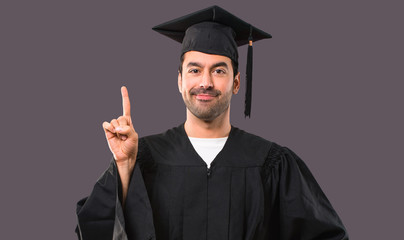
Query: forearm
{"points": [[125, 170]]}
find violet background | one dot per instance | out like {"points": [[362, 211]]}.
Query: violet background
{"points": [[328, 85]]}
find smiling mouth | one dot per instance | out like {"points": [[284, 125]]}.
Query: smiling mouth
{"points": [[204, 97]]}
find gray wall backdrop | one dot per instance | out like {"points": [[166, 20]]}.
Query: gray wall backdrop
{"points": [[328, 85]]}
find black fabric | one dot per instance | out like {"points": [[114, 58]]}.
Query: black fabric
{"points": [[248, 78], [176, 28], [100, 215], [212, 30], [256, 190], [211, 38]]}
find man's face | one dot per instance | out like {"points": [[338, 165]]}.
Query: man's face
{"points": [[207, 84]]}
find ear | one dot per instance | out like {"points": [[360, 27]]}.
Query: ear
{"points": [[236, 83], [179, 82]]}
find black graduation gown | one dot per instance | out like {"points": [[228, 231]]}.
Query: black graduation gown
{"points": [[254, 190]]}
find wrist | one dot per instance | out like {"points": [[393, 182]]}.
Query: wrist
{"points": [[127, 164]]}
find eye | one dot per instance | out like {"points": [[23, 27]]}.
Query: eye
{"points": [[193, 70], [220, 71]]}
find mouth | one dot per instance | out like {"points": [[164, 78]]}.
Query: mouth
{"points": [[204, 97]]}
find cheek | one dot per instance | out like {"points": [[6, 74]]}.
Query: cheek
{"points": [[188, 84], [184, 87], [226, 86]]}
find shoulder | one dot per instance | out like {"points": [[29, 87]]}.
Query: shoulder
{"points": [[253, 148], [147, 143], [281, 160], [275, 153], [171, 137], [247, 139], [169, 147]]}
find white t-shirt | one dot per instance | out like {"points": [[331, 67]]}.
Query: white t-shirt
{"points": [[208, 148]]}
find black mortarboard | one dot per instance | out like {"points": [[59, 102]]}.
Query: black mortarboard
{"points": [[213, 30]]}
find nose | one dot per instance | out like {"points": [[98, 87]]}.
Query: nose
{"points": [[206, 81]]}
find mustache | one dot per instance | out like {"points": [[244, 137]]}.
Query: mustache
{"points": [[211, 92]]}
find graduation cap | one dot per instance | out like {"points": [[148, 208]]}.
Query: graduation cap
{"points": [[213, 30]]}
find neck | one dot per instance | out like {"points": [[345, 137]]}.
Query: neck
{"points": [[217, 128]]}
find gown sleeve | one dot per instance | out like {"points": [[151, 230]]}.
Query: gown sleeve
{"points": [[304, 210], [101, 216]]}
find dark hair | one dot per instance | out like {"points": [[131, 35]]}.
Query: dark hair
{"points": [[233, 64]]}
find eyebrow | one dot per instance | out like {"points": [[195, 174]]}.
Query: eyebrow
{"points": [[218, 64], [193, 64]]}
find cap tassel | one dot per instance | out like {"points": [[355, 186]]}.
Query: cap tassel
{"points": [[248, 92]]}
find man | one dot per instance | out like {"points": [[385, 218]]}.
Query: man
{"points": [[204, 179]]}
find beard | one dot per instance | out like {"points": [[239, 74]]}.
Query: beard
{"points": [[207, 110]]}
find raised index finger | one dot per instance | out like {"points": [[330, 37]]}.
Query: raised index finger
{"points": [[125, 101]]}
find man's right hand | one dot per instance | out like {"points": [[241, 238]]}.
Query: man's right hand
{"points": [[122, 137], [123, 142]]}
